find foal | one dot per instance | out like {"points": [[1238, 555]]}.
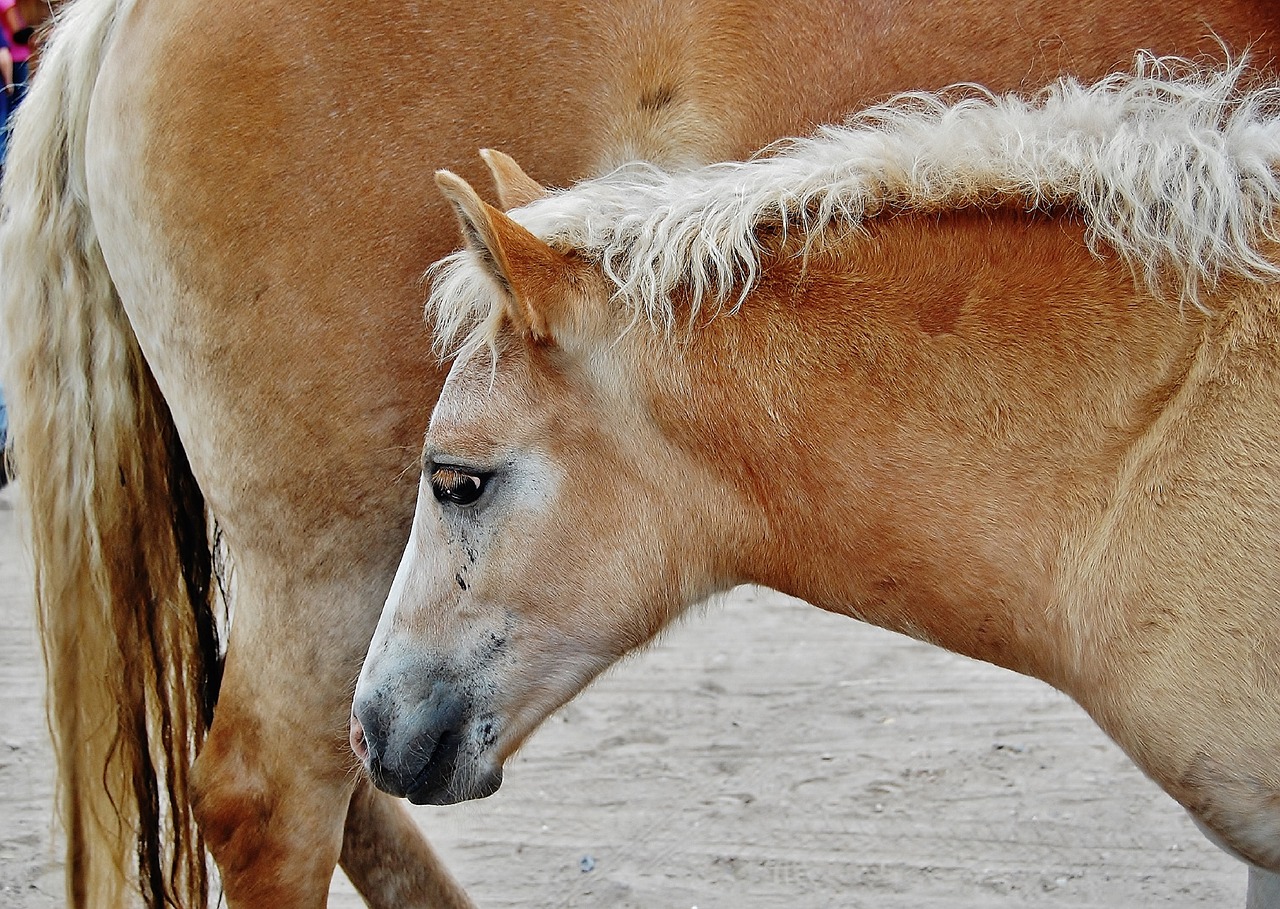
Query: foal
{"points": [[902, 370]]}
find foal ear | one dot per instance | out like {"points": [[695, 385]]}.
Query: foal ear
{"points": [[534, 276], [515, 187]]}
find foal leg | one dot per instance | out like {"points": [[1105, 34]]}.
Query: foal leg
{"points": [[1264, 886], [389, 861], [1264, 889]]}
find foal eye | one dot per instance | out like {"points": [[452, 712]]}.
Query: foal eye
{"points": [[455, 487]]}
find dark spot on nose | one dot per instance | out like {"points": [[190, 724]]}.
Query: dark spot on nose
{"points": [[496, 645], [655, 99], [461, 583]]}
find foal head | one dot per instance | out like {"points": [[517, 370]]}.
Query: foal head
{"points": [[546, 479], [573, 451]]}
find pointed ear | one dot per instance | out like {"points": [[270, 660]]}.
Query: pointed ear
{"points": [[515, 187], [534, 277]]}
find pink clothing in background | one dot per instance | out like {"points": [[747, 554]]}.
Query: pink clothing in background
{"points": [[20, 52]]}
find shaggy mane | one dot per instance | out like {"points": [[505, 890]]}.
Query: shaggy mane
{"points": [[1171, 165]]}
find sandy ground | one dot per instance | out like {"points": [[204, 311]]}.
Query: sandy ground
{"points": [[764, 754]]}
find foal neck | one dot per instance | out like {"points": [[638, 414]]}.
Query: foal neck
{"points": [[920, 416]]}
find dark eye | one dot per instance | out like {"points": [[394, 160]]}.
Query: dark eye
{"points": [[457, 487]]}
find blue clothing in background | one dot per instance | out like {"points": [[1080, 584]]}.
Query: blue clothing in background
{"points": [[9, 103]]}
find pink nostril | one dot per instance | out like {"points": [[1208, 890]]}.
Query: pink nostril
{"points": [[357, 739]]}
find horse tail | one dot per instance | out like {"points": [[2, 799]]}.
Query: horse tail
{"points": [[119, 534]]}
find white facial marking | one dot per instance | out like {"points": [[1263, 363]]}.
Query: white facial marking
{"points": [[422, 561], [456, 407]]}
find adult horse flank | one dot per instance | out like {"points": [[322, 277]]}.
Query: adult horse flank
{"points": [[1015, 364], [215, 229]]}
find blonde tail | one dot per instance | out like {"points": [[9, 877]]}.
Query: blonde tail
{"points": [[118, 527]]}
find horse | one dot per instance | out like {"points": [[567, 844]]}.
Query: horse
{"points": [[215, 226], [998, 372]]}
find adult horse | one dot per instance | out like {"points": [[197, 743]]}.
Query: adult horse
{"points": [[946, 342], [216, 223]]}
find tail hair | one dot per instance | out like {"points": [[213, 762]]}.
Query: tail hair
{"points": [[119, 533]]}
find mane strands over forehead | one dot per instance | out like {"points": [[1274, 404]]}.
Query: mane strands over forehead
{"points": [[1172, 165], [466, 305]]}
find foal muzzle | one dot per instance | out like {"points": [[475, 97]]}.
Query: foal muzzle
{"points": [[426, 751]]}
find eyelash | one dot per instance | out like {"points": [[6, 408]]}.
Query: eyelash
{"points": [[453, 486]]}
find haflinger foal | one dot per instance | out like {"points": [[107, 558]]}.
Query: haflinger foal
{"points": [[1002, 374]]}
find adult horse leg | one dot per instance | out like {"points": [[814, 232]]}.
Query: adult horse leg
{"points": [[387, 859], [277, 794], [292, 396], [313, 559]]}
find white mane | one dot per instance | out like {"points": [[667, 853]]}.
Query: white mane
{"points": [[1171, 165]]}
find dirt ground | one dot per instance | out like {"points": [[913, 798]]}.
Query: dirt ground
{"points": [[764, 754]]}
